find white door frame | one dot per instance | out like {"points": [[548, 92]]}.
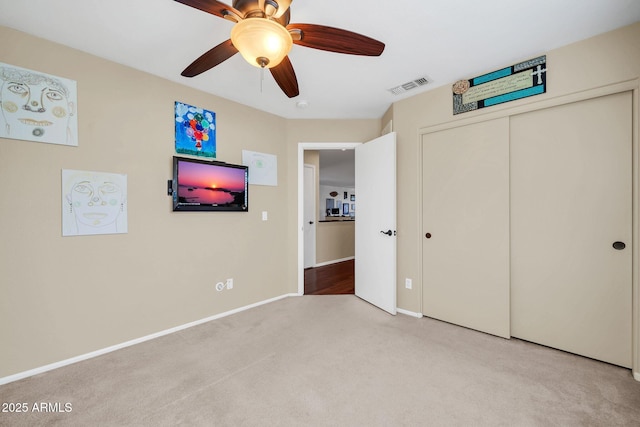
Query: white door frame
{"points": [[302, 146]]}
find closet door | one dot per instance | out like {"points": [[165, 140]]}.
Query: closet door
{"points": [[466, 226], [571, 227]]}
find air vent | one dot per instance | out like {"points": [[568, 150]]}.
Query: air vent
{"points": [[409, 85]]}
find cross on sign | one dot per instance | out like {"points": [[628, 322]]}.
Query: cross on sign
{"points": [[538, 73]]}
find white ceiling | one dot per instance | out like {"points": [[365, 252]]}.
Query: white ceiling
{"points": [[444, 40], [337, 168]]}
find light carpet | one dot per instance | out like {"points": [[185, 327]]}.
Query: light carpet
{"points": [[330, 361]]}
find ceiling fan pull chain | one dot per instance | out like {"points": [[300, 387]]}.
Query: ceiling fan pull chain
{"points": [[261, 78]]}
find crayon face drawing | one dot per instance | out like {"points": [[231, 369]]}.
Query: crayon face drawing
{"points": [[37, 107], [93, 203]]}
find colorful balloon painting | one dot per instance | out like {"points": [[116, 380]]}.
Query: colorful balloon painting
{"points": [[195, 131]]}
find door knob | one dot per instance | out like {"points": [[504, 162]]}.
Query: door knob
{"points": [[428, 235], [619, 246], [310, 222], [388, 232]]}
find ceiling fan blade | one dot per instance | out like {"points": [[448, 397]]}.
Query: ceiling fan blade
{"points": [[210, 59], [336, 40], [286, 78], [213, 7]]}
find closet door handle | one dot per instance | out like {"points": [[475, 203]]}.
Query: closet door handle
{"points": [[619, 246]]}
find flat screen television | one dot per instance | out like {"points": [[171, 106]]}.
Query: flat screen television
{"points": [[203, 185]]}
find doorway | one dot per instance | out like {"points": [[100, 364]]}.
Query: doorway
{"points": [[302, 147], [375, 233]]}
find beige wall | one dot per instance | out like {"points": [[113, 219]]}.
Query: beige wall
{"points": [[592, 67], [64, 297], [335, 241], [602, 60]]}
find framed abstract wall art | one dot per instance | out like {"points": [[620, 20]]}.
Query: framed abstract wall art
{"points": [[35, 106], [195, 130]]}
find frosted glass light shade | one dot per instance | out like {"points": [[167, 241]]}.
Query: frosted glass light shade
{"points": [[259, 38]]}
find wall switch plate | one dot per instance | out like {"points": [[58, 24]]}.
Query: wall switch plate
{"points": [[265, 215], [229, 283], [407, 283]]}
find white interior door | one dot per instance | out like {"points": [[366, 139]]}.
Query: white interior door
{"points": [[375, 247], [309, 216], [466, 226], [571, 200]]}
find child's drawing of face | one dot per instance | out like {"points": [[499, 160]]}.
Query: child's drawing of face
{"points": [[34, 106], [96, 202]]}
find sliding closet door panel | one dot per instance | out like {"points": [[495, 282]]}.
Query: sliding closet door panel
{"points": [[466, 226], [571, 200]]}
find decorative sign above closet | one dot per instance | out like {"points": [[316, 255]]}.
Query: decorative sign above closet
{"points": [[521, 80]]}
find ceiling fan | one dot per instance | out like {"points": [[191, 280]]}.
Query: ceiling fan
{"points": [[263, 36]]}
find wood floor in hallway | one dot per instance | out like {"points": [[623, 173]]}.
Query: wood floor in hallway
{"points": [[332, 279]]}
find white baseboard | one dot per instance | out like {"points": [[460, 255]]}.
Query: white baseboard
{"points": [[409, 313], [636, 376], [80, 358], [320, 264]]}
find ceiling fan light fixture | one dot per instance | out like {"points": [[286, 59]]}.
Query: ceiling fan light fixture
{"points": [[261, 41]]}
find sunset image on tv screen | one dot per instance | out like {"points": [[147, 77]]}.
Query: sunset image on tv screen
{"points": [[210, 184]]}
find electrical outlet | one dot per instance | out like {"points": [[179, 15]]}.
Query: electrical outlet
{"points": [[265, 215], [219, 286], [407, 283], [229, 283]]}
